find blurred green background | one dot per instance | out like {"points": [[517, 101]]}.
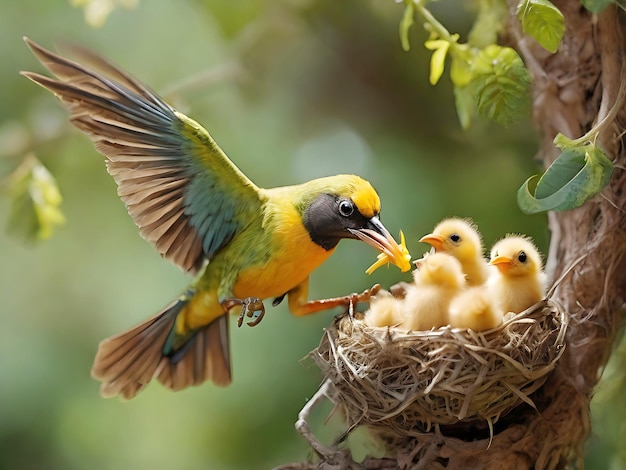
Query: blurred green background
{"points": [[291, 90]]}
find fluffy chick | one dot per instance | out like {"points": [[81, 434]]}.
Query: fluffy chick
{"points": [[519, 281], [438, 279], [384, 310], [475, 309], [461, 239]]}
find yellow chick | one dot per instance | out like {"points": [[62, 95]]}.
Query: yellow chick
{"points": [[476, 309], [461, 239], [438, 279], [519, 281], [384, 310]]}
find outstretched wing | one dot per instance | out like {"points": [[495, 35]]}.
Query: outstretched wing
{"points": [[183, 192]]}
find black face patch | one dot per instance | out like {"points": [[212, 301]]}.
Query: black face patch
{"points": [[328, 218]]}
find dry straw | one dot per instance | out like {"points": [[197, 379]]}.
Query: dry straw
{"points": [[399, 382]]}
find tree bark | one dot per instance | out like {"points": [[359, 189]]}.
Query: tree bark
{"points": [[573, 89]]}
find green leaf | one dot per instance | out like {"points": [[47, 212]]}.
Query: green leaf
{"points": [[563, 142], [596, 6], [574, 177], [464, 105], [602, 166], [491, 17], [562, 170], [543, 21], [437, 61], [22, 221], [405, 25], [500, 84], [461, 75], [35, 200]]}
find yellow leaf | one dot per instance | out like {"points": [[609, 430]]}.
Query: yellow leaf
{"points": [[97, 11], [437, 61]]}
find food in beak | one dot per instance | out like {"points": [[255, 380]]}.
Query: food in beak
{"points": [[390, 251]]}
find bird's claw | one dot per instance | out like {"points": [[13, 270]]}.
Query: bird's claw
{"points": [[366, 295], [251, 307], [353, 299]]}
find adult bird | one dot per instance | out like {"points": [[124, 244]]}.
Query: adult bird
{"points": [[201, 212]]}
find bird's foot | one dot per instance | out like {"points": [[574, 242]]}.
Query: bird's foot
{"points": [[366, 295], [353, 299], [251, 307], [350, 301]]}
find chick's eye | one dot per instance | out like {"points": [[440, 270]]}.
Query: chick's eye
{"points": [[346, 208], [522, 257], [455, 237]]}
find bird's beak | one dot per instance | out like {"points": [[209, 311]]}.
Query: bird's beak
{"points": [[435, 240], [377, 236], [503, 263]]}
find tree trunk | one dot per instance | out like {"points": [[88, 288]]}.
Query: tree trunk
{"points": [[573, 89]]}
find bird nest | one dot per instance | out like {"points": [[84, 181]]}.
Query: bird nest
{"points": [[397, 381]]}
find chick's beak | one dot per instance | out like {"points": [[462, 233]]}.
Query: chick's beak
{"points": [[503, 263], [436, 241], [377, 236]]}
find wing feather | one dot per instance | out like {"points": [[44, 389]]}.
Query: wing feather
{"points": [[187, 198]]}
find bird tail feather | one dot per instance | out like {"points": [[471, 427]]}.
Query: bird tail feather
{"points": [[127, 362]]}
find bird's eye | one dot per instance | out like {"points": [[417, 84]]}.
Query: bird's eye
{"points": [[346, 208], [455, 237], [522, 257]]}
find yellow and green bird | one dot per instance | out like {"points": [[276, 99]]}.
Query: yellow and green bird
{"points": [[200, 211]]}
